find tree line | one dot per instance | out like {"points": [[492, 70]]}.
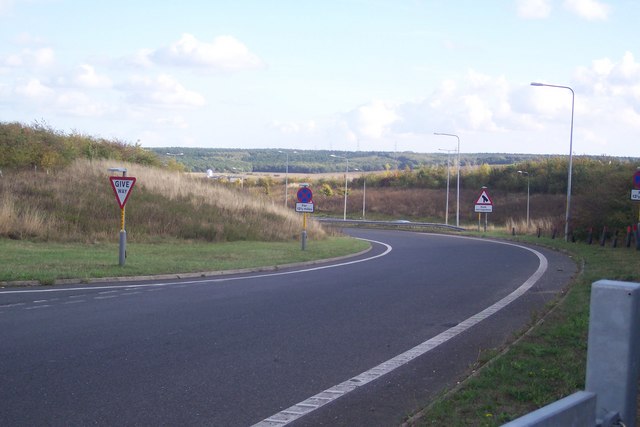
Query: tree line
{"points": [[39, 147]]}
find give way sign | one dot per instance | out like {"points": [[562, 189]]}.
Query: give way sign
{"points": [[122, 187]]}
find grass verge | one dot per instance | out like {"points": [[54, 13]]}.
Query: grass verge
{"points": [[47, 262], [545, 364]]}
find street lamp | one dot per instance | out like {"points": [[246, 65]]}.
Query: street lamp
{"points": [[458, 184], [286, 178], [567, 213], [446, 209], [344, 216], [528, 182], [364, 194]]}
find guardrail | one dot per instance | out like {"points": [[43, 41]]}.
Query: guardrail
{"points": [[613, 365], [397, 224]]}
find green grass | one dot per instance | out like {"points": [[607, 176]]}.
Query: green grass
{"points": [[545, 364], [47, 262]]}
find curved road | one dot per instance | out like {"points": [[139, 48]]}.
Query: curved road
{"points": [[364, 341]]}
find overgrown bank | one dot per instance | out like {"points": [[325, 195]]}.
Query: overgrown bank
{"points": [[77, 204]]}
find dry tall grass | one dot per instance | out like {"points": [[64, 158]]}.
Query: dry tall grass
{"points": [[78, 204], [429, 205]]}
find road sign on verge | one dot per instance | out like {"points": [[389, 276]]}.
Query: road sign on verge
{"points": [[304, 207], [636, 180], [305, 195], [484, 208], [635, 195], [484, 199], [122, 188], [484, 202]]}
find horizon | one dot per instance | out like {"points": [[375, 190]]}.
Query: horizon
{"points": [[350, 75]]}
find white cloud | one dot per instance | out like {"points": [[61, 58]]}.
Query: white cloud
{"points": [[224, 53], [80, 104], [294, 127], [609, 78], [592, 10], [87, 76], [34, 89], [533, 9], [162, 91], [372, 120], [178, 122], [42, 57]]}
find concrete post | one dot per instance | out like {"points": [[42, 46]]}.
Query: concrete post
{"points": [[122, 253], [613, 354]]}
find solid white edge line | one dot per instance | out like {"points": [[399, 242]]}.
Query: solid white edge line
{"points": [[202, 281], [285, 417]]}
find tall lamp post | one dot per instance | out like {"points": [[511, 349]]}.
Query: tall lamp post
{"points": [[364, 194], [286, 178], [344, 216], [567, 215], [446, 209], [458, 184], [528, 182]]}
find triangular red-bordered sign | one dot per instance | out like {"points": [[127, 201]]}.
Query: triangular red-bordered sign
{"points": [[122, 186], [484, 199]]}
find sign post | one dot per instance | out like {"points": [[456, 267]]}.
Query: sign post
{"points": [[122, 187], [304, 205], [483, 204], [635, 196]]}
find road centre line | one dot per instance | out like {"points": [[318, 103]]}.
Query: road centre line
{"points": [[203, 281], [287, 415]]}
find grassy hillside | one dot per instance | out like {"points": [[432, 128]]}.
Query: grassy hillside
{"points": [[77, 204]]}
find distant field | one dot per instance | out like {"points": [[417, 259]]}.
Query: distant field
{"points": [[294, 177]]}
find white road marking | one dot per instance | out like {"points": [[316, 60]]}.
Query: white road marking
{"points": [[156, 286], [291, 414]]}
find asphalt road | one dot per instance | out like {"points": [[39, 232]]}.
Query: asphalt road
{"points": [[238, 350]]}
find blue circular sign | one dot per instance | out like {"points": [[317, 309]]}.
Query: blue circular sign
{"points": [[305, 195]]}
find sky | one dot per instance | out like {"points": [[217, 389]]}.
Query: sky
{"points": [[349, 75]]}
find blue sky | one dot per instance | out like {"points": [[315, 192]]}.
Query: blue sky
{"points": [[337, 75]]}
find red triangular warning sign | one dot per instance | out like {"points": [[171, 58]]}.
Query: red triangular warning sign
{"points": [[122, 188], [484, 199]]}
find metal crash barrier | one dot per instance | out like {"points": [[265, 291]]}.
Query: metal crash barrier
{"points": [[613, 353]]}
